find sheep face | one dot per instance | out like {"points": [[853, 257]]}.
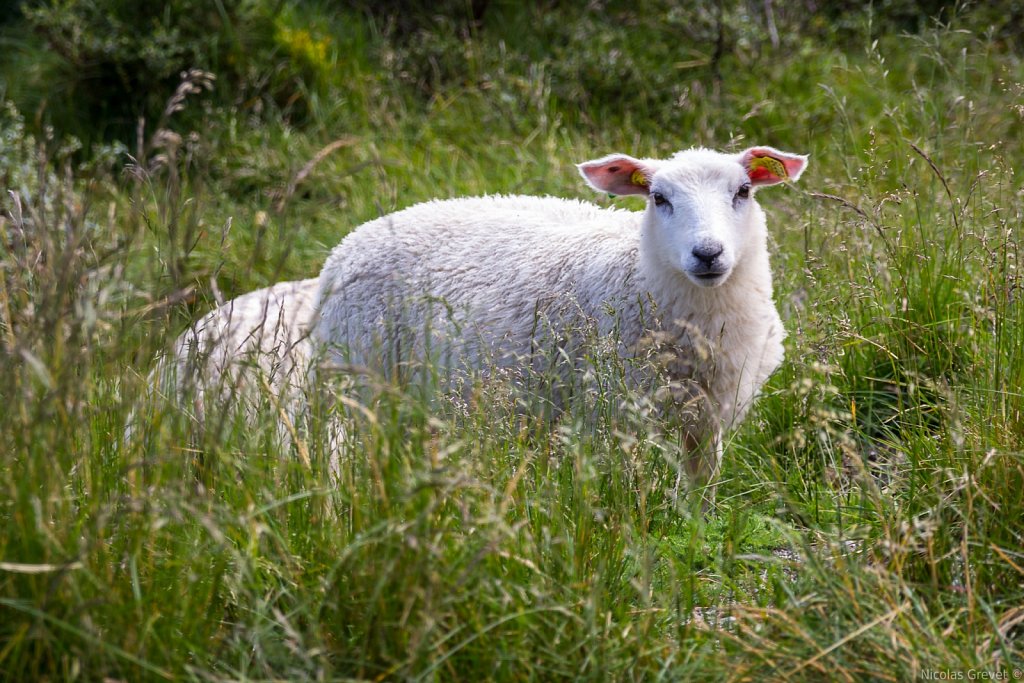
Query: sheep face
{"points": [[701, 216]]}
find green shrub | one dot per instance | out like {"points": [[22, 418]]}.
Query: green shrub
{"points": [[118, 60]]}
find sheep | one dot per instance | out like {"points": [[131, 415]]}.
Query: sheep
{"points": [[490, 279]]}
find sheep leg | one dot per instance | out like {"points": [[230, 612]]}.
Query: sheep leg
{"points": [[700, 466]]}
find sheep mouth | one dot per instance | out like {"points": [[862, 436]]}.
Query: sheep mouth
{"points": [[709, 278]]}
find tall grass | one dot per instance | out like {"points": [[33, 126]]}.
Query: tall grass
{"points": [[868, 524]]}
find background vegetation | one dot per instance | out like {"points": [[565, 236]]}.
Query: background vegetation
{"points": [[159, 157]]}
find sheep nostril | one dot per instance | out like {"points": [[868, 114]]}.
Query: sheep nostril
{"points": [[707, 253]]}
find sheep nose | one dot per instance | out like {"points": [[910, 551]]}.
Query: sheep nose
{"points": [[707, 252]]}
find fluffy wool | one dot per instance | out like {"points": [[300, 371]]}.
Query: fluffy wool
{"points": [[490, 279], [234, 353]]}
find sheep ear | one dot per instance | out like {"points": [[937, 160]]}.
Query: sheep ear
{"points": [[618, 174], [768, 166]]}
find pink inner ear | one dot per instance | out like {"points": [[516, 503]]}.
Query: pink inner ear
{"points": [[793, 165], [762, 173], [617, 175], [612, 174]]}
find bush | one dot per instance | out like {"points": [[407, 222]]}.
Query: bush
{"points": [[120, 59]]}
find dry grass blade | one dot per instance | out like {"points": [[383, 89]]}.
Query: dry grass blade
{"points": [[1007, 558], [888, 616], [845, 202], [172, 299], [300, 445], [20, 568], [942, 179], [304, 172], [856, 209]]}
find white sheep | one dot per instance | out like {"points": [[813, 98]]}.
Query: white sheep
{"points": [[491, 279]]}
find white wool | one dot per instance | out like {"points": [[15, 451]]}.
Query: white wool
{"points": [[234, 354], [486, 274]]}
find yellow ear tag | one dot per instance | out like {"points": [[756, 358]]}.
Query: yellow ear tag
{"points": [[771, 165], [638, 178]]}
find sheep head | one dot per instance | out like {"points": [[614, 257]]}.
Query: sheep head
{"points": [[701, 218]]}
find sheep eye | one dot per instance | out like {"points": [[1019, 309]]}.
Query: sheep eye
{"points": [[743, 192], [659, 199]]}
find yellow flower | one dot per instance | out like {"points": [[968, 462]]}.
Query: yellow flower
{"points": [[301, 45]]}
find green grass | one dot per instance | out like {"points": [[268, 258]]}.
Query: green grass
{"points": [[869, 517]]}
